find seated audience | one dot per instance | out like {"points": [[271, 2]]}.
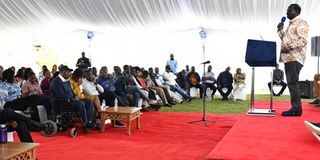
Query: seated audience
{"points": [[209, 80], [316, 90], [54, 70], [18, 78], [61, 90], [92, 89], [31, 97], [225, 80], [41, 73], [109, 95], [278, 80], [46, 83], [169, 79], [159, 91], [239, 85], [193, 80], [181, 79]]}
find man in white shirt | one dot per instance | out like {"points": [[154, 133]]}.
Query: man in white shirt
{"points": [[169, 79], [209, 80]]}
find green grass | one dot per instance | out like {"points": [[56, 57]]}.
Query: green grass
{"points": [[218, 106]]}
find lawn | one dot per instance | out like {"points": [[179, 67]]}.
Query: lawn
{"points": [[218, 106]]}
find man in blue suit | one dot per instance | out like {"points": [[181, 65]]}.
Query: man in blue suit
{"points": [[61, 89]]}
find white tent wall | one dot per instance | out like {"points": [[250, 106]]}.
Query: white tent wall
{"points": [[145, 32]]}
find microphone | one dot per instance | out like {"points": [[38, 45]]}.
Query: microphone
{"points": [[283, 19], [206, 62]]}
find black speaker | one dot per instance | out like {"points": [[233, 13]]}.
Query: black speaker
{"points": [[306, 88], [261, 53], [315, 46]]}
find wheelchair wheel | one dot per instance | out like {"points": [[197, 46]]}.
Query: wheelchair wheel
{"points": [[73, 132], [50, 128]]}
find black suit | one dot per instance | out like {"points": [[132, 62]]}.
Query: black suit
{"points": [[83, 63], [23, 122], [62, 90]]}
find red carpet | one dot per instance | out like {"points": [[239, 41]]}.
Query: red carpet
{"points": [[278, 137], [162, 136]]}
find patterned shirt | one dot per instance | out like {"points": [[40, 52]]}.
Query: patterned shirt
{"points": [[239, 78], [31, 89], [295, 38], [9, 92]]}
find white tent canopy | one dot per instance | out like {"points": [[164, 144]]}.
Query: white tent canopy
{"points": [[144, 32]]}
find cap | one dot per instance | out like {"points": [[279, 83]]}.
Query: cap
{"points": [[167, 66], [65, 68]]}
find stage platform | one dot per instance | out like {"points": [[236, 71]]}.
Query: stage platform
{"points": [[256, 137]]}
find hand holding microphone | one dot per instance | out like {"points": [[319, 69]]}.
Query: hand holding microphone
{"points": [[280, 25]]}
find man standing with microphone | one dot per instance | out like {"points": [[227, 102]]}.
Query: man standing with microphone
{"points": [[293, 54]]}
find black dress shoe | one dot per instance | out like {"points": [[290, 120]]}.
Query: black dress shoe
{"points": [[316, 101], [292, 112]]}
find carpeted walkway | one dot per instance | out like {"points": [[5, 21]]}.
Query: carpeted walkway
{"points": [[263, 138], [162, 136]]}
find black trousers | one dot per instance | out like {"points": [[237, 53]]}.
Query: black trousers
{"points": [[283, 86], [197, 86], [22, 104], [211, 86], [23, 122], [225, 95], [292, 70]]}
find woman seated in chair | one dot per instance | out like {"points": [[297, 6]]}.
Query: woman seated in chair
{"points": [[239, 85], [92, 89], [30, 97]]}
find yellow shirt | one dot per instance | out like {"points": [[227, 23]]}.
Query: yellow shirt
{"points": [[75, 86], [295, 37]]}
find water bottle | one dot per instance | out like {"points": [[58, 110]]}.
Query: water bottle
{"points": [[103, 105], [3, 133], [116, 104]]}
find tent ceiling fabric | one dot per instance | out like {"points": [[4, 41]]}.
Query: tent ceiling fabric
{"points": [[109, 16]]}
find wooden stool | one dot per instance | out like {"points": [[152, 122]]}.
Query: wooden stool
{"points": [[122, 113], [18, 151]]}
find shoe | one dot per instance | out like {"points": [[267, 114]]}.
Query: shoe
{"points": [[86, 129], [316, 101], [118, 124], [156, 107], [292, 112], [172, 103], [317, 104], [314, 128], [168, 105], [224, 98], [188, 99]]}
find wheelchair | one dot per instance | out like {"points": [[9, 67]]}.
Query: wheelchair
{"points": [[64, 116]]}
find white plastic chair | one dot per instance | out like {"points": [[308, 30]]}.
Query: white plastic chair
{"points": [[193, 92]]}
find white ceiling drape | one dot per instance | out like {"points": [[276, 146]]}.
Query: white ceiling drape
{"points": [[110, 16], [145, 32]]}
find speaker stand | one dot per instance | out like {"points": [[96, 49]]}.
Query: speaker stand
{"points": [[261, 112]]}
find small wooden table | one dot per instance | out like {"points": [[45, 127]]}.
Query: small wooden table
{"points": [[18, 151], [123, 113]]}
